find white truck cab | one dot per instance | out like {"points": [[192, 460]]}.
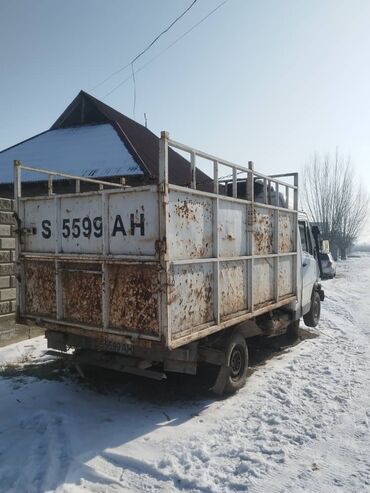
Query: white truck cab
{"points": [[311, 291]]}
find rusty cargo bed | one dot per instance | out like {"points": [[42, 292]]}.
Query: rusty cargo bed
{"points": [[157, 265]]}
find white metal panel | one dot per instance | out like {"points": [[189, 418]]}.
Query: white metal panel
{"points": [[133, 223], [81, 224], [190, 298], [189, 233], [232, 227], [263, 280], [233, 287], [287, 222], [40, 216], [286, 281]]}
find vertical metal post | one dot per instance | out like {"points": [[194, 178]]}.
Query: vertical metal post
{"points": [[287, 196], [78, 186], [58, 264], [216, 264], [50, 185], [105, 251], [264, 191], [20, 292], [269, 192], [193, 183], [215, 177], [162, 248], [250, 182], [250, 236], [295, 207], [235, 183]]}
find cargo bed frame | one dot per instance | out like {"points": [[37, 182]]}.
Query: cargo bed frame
{"points": [[266, 235]]}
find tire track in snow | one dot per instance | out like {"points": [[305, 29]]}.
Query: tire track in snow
{"points": [[43, 457], [253, 435]]}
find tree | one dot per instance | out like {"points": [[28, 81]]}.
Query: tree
{"points": [[334, 199]]}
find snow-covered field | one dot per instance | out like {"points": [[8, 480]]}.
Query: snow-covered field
{"points": [[302, 423]]}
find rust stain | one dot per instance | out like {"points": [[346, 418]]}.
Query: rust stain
{"points": [[190, 297], [134, 298], [263, 235], [233, 287], [82, 297], [186, 210], [286, 239], [40, 288]]}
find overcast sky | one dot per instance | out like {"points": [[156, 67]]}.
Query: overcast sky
{"points": [[269, 81]]}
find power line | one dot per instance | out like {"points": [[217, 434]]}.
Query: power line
{"points": [[164, 32], [165, 49], [147, 48]]}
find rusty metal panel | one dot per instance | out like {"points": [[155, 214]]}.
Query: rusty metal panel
{"points": [[286, 232], [189, 233], [286, 270], [82, 294], [263, 281], [191, 297], [40, 288], [134, 298], [263, 231], [232, 229], [233, 287]]}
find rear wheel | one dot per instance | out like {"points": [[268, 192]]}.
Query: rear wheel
{"points": [[312, 318], [236, 353]]}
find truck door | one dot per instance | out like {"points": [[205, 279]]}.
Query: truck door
{"points": [[309, 265]]}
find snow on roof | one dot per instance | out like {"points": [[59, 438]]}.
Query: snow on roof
{"points": [[89, 150]]}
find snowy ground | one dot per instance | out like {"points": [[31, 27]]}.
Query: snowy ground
{"points": [[302, 423]]}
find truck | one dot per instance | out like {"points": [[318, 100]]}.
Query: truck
{"points": [[161, 278]]}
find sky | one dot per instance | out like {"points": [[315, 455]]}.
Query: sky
{"points": [[272, 81]]}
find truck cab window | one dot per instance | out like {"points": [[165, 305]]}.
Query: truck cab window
{"points": [[310, 241], [302, 234]]}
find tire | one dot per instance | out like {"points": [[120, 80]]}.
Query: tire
{"points": [[292, 330], [312, 318], [236, 353]]}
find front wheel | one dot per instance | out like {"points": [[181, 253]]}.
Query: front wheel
{"points": [[312, 318]]}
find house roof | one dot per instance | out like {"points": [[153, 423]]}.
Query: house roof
{"points": [[89, 150], [87, 112]]}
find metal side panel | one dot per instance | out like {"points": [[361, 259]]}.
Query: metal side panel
{"points": [[91, 260], [263, 231], [233, 287], [190, 297], [75, 224], [189, 226], [232, 229]]}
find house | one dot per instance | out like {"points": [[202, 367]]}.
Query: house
{"points": [[94, 140]]}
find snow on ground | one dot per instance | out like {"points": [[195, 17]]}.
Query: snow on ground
{"points": [[302, 422]]}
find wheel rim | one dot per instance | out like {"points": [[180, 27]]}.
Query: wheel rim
{"points": [[237, 362]]}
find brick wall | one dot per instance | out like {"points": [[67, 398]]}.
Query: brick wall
{"points": [[7, 254]]}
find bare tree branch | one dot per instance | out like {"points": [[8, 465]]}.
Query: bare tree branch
{"points": [[335, 199]]}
